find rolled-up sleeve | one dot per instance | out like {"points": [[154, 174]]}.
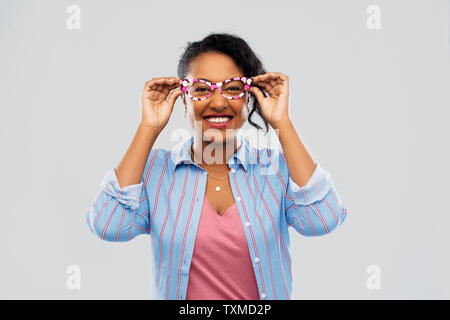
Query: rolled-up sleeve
{"points": [[119, 214], [314, 209]]}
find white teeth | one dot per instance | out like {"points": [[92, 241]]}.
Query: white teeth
{"points": [[217, 119]]}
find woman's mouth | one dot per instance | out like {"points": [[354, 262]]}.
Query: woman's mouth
{"points": [[218, 122]]}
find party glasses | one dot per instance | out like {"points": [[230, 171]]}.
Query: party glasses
{"points": [[201, 89]]}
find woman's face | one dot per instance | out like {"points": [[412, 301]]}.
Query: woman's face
{"points": [[215, 67]]}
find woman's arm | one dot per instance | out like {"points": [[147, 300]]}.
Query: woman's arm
{"points": [[131, 167], [300, 162], [121, 207], [158, 99], [312, 204]]}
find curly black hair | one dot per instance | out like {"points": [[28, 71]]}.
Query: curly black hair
{"points": [[238, 50]]}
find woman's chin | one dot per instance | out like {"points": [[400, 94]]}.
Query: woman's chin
{"points": [[219, 138]]}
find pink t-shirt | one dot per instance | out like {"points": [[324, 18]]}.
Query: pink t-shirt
{"points": [[221, 267]]}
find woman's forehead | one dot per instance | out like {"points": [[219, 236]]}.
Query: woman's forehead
{"points": [[217, 80], [213, 67]]}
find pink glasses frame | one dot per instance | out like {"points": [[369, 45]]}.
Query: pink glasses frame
{"points": [[185, 82]]}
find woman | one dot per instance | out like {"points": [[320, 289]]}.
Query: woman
{"points": [[217, 209]]}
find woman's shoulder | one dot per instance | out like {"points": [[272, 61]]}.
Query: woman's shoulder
{"points": [[267, 155], [157, 157], [161, 154], [270, 161]]}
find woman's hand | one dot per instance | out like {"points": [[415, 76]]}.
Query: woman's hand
{"points": [[274, 107], [158, 101]]}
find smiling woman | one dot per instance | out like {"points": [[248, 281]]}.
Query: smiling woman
{"points": [[218, 209]]}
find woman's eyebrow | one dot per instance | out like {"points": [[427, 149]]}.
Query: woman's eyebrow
{"points": [[213, 81]]}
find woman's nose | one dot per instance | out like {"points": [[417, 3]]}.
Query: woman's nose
{"points": [[217, 96]]}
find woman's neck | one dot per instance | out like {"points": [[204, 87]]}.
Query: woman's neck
{"points": [[214, 154]]}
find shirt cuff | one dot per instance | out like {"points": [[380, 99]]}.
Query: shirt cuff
{"points": [[128, 196], [315, 189]]}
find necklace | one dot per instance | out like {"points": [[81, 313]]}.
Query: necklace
{"points": [[218, 178]]}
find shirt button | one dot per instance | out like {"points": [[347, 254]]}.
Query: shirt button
{"points": [[256, 259], [247, 223], [238, 198], [233, 170], [263, 295]]}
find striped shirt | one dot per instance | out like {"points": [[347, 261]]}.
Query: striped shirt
{"points": [[168, 201]]}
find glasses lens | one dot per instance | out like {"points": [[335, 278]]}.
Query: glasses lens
{"points": [[199, 89], [233, 88]]}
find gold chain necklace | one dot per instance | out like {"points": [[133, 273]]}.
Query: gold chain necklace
{"points": [[218, 178]]}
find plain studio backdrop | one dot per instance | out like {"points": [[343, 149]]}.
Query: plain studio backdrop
{"points": [[369, 97]]}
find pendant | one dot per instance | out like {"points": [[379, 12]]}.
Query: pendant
{"points": [[217, 188]]}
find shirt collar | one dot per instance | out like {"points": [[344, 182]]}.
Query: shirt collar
{"points": [[245, 155]]}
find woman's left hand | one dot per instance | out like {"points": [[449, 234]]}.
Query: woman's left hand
{"points": [[275, 107]]}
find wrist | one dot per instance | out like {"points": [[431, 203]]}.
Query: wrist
{"points": [[281, 124], [149, 128]]}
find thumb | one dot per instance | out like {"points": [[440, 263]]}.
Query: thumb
{"points": [[258, 94], [173, 96]]}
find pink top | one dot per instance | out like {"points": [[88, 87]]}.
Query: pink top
{"points": [[221, 267]]}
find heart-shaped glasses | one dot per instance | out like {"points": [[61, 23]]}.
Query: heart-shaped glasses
{"points": [[201, 89]]}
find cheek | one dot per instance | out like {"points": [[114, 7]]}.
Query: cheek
{"points": [[195, 110], [242, 113]]}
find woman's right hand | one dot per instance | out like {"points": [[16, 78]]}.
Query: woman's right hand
{"points": [[156, 107]]}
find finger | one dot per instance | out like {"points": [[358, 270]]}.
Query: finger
{"points": [[152, 84], [263, 79], [163, 80], [275, 83], [155, 95], [172, 80], [279, 75], [175, 84], [274, 75], [168, 88], [269, 83], [265, 85], [173, 96], [169, 82], [258, 94], [170, 85], [271, 76], [161, 83], [278, 78]]}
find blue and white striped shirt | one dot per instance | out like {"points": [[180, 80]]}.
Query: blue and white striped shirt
{"points": [[167, 205]]}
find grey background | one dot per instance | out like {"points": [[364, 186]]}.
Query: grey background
{"points": [[371, 105]]}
